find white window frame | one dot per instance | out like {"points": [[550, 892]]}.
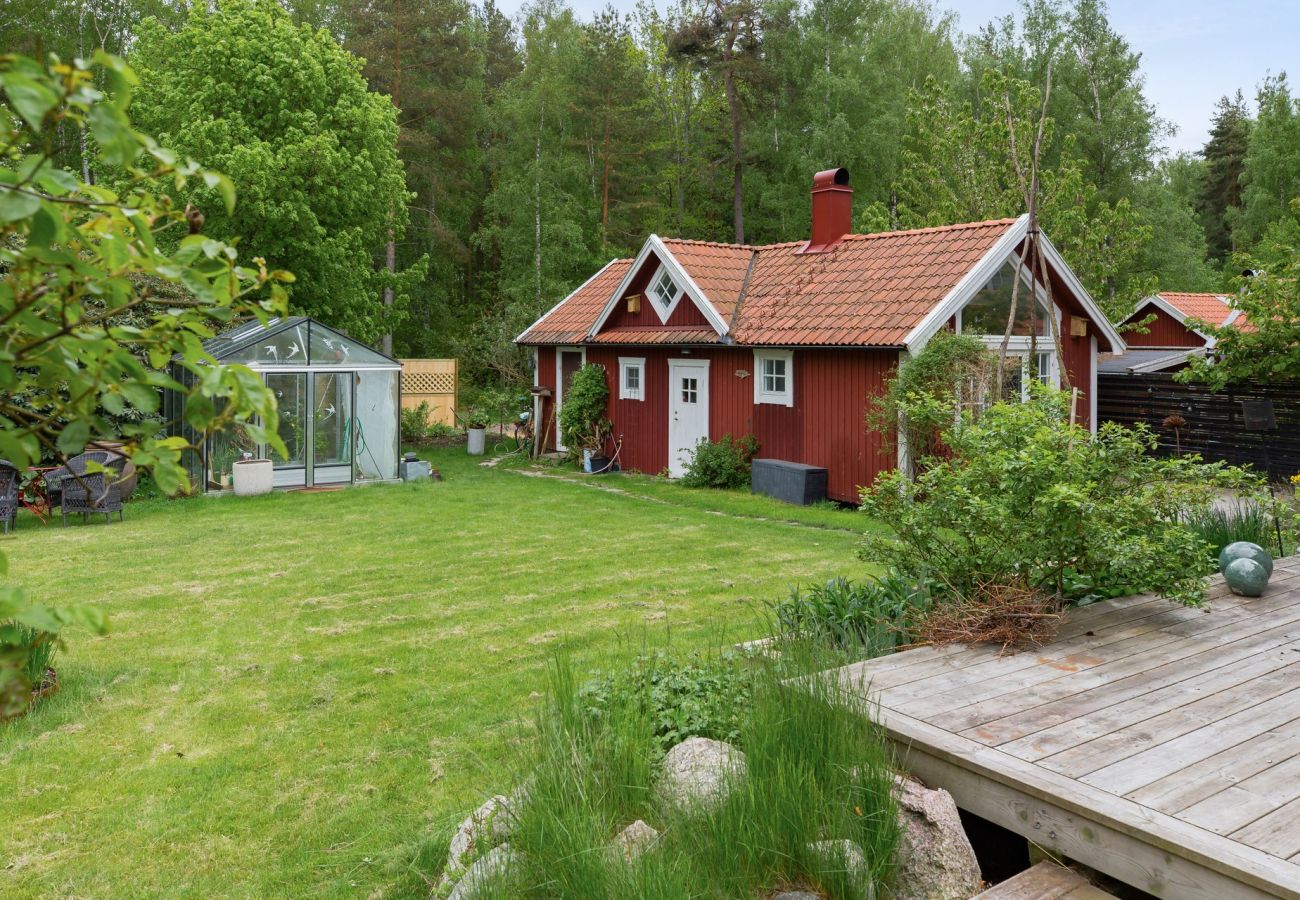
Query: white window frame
{"points": [[1019, 347], [624, 364], [654, 299], [777, 398]]}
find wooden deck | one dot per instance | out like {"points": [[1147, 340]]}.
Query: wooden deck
{"points": [[1158, 744]]}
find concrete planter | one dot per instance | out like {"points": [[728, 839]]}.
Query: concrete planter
{"points": [[477, 439], [252, 477]]}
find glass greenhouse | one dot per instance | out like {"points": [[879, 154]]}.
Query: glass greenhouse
{"points": [[339, 406]]}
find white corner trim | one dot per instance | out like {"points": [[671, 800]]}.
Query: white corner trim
{"points": [[625, 363], [1092, 384], [967, 286], [784, 398], [577, 290], [654, 244]]}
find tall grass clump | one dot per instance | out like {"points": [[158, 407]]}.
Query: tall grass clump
{"points": [[817, 771], [1219, 526], [859, 619]]}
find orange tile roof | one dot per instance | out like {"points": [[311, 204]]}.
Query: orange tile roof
{"points": [[868, 290], [570, 320], [1212, 308], [677, 334]]}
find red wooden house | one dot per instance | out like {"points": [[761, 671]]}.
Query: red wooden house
{"points": [[789, 341], [1174, 334]]}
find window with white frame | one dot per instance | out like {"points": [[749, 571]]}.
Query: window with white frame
{"points": [[664, 291], [631, 378], [774, 377]]}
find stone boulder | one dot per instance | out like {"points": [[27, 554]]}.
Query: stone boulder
{"points": [[697, 772], [490, 824], [935, 859], [489, 868], [635, 839], [842, 853]]}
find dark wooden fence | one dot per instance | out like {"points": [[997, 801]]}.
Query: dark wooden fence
{"points": [[1214, 428]]}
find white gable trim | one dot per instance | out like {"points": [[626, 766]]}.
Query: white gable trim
{"points": [[654, 244], [578, 289], [986, 268], [1164, 362], [968, 286], [1173, 312]]}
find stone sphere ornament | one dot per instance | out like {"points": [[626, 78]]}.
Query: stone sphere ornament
{"points": [[1246, 550], [1245, 577]]}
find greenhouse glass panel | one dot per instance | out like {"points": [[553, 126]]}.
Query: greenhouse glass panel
{"points": [[285, 347], [377, 424], [329, 348]]}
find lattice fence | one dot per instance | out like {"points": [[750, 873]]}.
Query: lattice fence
{"points": [[431, 381]]}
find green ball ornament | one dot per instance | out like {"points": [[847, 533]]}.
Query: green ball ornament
{"points": [[1246, 550], [1245, 577]]}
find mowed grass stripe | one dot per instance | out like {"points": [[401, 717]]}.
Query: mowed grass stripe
{"points": [[298, 691]]}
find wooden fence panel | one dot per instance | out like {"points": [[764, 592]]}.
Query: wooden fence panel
{"points": [[1214, 426], [431, 381]]}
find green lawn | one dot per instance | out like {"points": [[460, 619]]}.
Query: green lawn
{"points": [[301, 694]]}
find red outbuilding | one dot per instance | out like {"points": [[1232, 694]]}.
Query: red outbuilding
{"points": [[1174, 332], [789, 342]]}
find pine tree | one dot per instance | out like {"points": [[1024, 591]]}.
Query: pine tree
{"points": [[1219, 200]]}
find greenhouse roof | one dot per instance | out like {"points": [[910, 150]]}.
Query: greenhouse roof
{"points": [[295, 341]]}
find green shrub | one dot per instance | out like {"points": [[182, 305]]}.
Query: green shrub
{"points": [[415, 423], [721, 464], [817, 767], [582, 416], [697, 697], [874, 617], [1027, 498]]}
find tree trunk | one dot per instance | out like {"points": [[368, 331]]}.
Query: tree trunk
{"points": [[390, 262], [733, 109]]}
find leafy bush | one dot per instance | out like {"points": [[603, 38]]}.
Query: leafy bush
{"points": [[698, 697], [721, 464], [952, 374], [876, 616], [582, 417], [1028, 498], [415, 423]]}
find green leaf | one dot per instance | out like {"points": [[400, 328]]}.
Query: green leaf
{"points": [[223, 186], [15, 206], [30, 99], [118, 144], [57, 182], [44, 228], [74, 436]]}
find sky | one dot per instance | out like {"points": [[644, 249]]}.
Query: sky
{"points": [[1193, 51]]}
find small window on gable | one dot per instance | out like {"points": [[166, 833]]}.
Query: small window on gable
{"points": [[664, 291], [631, 378], [774, 377]]}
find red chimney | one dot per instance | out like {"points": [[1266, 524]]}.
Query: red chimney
{"points": [[832, 210]]}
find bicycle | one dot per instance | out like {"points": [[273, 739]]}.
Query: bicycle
{"points": [[521, 438]]}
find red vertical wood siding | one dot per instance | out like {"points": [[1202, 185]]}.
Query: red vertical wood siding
{"points": [[1165, 331], [546, 379], [1078, 366], [825, 427], [685, 313]]}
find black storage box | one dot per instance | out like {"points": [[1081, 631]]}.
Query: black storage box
{"points": [[789, 481]]}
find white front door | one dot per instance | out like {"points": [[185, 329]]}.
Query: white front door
{"points": [[688, 411]]}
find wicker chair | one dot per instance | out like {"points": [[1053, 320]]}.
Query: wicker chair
{"points": [[9, 488], [91, 492]]}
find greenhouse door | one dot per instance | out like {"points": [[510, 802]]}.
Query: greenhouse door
{"points": [[290, 389], [333, 425]]}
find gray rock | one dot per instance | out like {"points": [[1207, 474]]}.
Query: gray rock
{"points": [[490, 824], [842, 852], [797, 895], [935, 859], [697, 772], [489, 868], [635, 839]]}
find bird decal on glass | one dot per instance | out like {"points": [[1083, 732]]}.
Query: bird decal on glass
{"points": [[294, 350], [329, 411], [273, 352]]}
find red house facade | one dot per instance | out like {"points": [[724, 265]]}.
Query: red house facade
{"points": [[789, 342], [1175, 332]]}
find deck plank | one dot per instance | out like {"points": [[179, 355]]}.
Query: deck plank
{"points": [[1162, 729], [1155, 743]]}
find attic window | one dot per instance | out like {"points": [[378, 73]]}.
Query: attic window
{"points": [[664, 291]]}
